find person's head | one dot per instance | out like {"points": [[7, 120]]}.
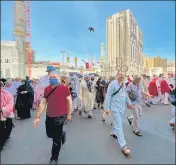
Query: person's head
{"points": [[27, 77], [144, 76], [64, 77], [100, 79], [8, 83], [24, 82], [33, 81], [111, 78], [86, 77], [1, 85], [137, 79], [120, 76], [54, 78], [92, 77]]}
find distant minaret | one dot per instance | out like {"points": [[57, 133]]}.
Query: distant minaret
{"points": [[20, 36], [102, 60]]}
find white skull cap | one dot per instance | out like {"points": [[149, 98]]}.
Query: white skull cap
{"points": [[86, 76], [64, 74]]}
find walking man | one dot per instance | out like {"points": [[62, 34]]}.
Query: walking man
{"points": [[135, 92], [58, 101], [116, 98]]}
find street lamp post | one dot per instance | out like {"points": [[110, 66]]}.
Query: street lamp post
{"points": [[63, 55]]}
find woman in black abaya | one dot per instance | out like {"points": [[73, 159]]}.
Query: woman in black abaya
{"points": [[100, 92], [25, 98]]}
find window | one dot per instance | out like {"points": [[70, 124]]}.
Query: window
{"points": [[7, 61]]}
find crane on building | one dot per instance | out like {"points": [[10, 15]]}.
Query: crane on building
{"points": [[28, 37]]}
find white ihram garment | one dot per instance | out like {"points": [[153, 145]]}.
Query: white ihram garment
{"points": [[85, 97]]}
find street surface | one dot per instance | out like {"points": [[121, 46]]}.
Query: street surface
{"points": [[89, 141]]}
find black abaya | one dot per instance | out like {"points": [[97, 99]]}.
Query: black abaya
{"points": [[24, 101]]}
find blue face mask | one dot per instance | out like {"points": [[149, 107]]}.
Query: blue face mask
{"points": [[53, 81]]}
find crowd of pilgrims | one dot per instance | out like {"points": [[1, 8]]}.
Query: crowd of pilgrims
{"points": [[25, 95]]}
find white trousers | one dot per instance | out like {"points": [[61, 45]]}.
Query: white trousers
{"points": [[173, 113], [82, 108], [154, 100], [117, 128], [136, 113], [165, 98]]}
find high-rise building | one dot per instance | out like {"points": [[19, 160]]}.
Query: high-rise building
{"points": [[124, 43]]}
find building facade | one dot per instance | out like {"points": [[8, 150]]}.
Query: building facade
{"points": [[155, 64], [124, 43], [171, 67], [14, 53]]}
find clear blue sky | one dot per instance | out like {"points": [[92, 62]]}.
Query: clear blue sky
{"points": [[64, 25]]}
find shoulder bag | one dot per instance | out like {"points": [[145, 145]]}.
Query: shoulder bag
{"points": [[133, 95]]}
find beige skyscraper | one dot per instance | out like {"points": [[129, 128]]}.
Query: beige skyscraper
{"points": [[124, 43]]}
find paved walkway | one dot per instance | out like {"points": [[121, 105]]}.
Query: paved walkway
{"points": [[89, 142]]}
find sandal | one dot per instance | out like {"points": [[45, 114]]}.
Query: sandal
{"points": [[114, 136], [172, 124], [126, 151], [138, 133], [102, 119]]}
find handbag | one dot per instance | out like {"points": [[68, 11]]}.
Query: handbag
{"points": [[133, 95]]}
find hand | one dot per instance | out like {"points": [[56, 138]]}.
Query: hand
{"points": [[69, 117], [107, 111], [149, 96], [131, 106], [36, 122]]}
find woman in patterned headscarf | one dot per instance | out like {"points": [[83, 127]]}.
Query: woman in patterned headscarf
{"points": [[25, 98]]}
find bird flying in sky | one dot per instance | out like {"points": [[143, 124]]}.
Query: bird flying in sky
{"points": [[91, 29]]}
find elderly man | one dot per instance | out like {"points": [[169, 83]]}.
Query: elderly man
{"points": [[135, 92], [64, 78], [59, 102], [111, 78], [85, 95], [116, 99]]}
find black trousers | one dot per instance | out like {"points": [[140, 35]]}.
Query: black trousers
{"points": [[54, 130], [5, 131]]}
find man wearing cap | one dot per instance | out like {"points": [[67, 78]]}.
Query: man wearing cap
{"points": [[44, 80], [58, 100]]}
